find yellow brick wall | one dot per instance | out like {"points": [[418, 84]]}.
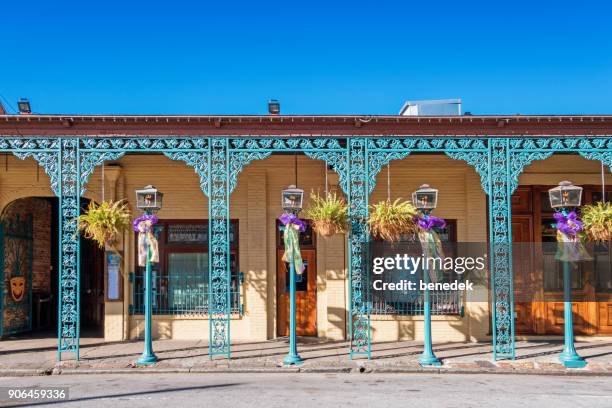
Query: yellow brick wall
{"points": [[461, 198], [256, 204]]}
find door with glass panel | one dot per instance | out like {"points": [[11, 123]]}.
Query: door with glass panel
{"points": [[306, 287]]}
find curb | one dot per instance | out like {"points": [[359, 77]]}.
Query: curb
{"points": [[306, 370]]}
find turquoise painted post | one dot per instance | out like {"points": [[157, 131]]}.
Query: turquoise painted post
{"points": [[148, 357], [428, 358], [569, 357], [293, 358]]}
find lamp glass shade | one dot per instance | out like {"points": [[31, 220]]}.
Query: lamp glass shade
{"points": [[565, 195], [425, 198], [292, 199], [149, 199]]}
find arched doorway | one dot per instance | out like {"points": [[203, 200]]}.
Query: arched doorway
{"points": [[29, 262]]}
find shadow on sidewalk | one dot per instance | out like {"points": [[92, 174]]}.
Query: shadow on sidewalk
{"points": [[130, 394]]}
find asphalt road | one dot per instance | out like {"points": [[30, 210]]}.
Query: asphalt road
{"points": [[322, 390]]}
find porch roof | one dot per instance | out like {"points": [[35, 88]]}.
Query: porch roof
{"points": [[304, 125]]}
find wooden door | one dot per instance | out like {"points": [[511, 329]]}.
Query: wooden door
{"points": [[524, 274], [92, 284], [305, 298], [538, 276]]}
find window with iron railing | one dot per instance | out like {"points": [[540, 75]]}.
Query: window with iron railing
{"points": [[181, 278], [443, 302]]}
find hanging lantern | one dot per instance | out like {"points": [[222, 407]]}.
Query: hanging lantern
{"points": [[149, 199], [565, 195], [292, 199], [425, 198]]}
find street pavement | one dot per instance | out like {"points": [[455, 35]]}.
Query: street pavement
{"points": [[35, 356], [237, 390]]}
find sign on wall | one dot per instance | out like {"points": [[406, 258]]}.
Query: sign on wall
{"points": [[114, 282]]}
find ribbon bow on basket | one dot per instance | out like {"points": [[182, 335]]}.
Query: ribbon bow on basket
{"points": [[569, 247], [147, 243], [430, 241], [293, 226]]}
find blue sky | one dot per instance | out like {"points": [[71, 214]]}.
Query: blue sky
{"points": [[316, 57]]}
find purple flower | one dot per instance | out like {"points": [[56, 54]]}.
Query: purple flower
{"points": [[152, 218], [428, 222], [568, 224]]}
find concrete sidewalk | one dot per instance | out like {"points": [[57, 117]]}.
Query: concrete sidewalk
{"points": [[37, 356]]}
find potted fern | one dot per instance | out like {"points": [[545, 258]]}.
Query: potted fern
{"points": [[597, 221], [103, 223], [329, 214], [390, 220]]}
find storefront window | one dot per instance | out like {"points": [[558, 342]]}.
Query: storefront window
{"points": [[181, 278], [447, 302]]}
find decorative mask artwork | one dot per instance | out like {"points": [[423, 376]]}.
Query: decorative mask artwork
{"points": [[17, 288]]}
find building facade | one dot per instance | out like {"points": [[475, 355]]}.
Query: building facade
{"points": [[220, 277]]}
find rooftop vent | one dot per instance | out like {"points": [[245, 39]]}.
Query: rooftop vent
{"points": [[432, 107], [24, 106], [273, 107]]}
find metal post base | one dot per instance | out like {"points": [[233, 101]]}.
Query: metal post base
{"points": [[146, 359], [429, 360], [572, 360], [294, 359]]}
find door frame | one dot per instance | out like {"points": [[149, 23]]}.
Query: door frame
{"points": [[308, 242]]}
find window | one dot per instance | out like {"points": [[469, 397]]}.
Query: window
{"points": [[181, 278], [443, 302]]}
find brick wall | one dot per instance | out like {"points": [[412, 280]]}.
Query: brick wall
{"points": [[40, 211]]}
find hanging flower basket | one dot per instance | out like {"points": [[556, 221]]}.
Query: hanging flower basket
{"points": [[103, 222], [390, 220], [597, 221], [329, 214]]}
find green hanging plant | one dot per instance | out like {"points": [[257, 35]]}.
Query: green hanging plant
{"points": [[103, 222], [390, 220], [329, 214], [597, 221]]}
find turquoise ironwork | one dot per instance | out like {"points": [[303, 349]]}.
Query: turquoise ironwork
{"points": [[498, 160], [89, 161], [69, 274], [219, 266], [500, 239], [359, 321]]}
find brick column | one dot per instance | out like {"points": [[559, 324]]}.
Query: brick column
{"points": [[256, 270]]}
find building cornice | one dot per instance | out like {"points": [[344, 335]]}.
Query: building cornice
{"points": [[312, 125]]}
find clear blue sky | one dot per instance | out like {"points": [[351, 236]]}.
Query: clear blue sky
{"points": [[230, 57]]}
